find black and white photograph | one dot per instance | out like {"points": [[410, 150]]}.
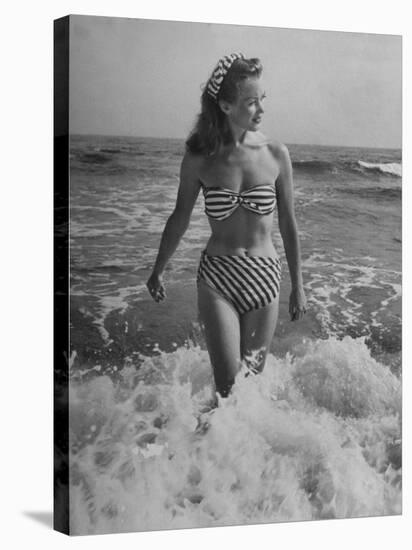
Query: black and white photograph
{"points": [[234, 266]]}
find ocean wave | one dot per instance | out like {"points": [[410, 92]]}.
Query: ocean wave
{"points": [[109, 150], [108, 268], [120, 150], [313, 165], [317, 435], [94, 158], [378, 193], [340, 165], [392, 168]]}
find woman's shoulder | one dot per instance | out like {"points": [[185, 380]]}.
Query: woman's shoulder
{"points": [[192, 163], [281, 155], [277, 148], [192, 159]]}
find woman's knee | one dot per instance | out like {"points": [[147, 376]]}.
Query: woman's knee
{"points": [[257, 331], [254, 359]]}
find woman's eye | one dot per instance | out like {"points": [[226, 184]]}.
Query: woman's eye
{"points": [[256, 101]]}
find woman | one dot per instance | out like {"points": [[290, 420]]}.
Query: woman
{"points": [[244, 177]]}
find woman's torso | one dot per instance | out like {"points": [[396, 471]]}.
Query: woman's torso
{"points": [[251, 166]]}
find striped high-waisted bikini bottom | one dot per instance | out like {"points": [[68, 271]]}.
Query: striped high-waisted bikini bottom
{"points": [[246, 282]]}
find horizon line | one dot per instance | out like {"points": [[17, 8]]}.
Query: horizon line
{"points": [[287, 143]]}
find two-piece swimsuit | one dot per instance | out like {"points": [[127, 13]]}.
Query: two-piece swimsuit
{"points": [[246, 282]]}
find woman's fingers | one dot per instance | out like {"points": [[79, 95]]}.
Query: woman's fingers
{"points": [[157, 293], [160, 296], [297, 313], [161, 293], [156, 288]]}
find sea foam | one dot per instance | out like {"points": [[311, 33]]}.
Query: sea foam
{"points": [[393, 168], [316, 435]]}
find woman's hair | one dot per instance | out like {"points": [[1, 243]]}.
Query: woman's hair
{"points": [[211, 129]]}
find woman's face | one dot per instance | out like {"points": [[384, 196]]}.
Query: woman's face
{"points": [[246, 112]]}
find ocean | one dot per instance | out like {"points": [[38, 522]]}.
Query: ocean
{"points": [[316, 435]]}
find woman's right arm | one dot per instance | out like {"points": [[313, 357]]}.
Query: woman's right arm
{"points": [[177, 222]]}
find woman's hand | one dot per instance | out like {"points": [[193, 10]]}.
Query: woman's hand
{"points": [[297, 304], [156, 287]]}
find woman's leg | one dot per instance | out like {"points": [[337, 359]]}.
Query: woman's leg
{"points": [[220, 323], [257, 328]]}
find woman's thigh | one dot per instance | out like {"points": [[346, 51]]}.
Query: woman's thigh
{"points": [[257, 328], [220, 323]]}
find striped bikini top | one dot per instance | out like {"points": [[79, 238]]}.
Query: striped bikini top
{"points": [[220, 203]]}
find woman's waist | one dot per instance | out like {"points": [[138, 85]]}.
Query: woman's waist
{"points": [[218, 246]]}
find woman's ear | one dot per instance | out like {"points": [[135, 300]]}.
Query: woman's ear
{"points": [[224, 106]]}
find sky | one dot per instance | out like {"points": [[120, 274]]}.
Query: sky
{"points": [[142, 77]]}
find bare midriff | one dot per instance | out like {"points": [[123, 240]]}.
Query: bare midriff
{"points": [[244, 233]]}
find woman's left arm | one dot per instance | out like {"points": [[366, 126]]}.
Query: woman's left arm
{"points": [[289, 231]]}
